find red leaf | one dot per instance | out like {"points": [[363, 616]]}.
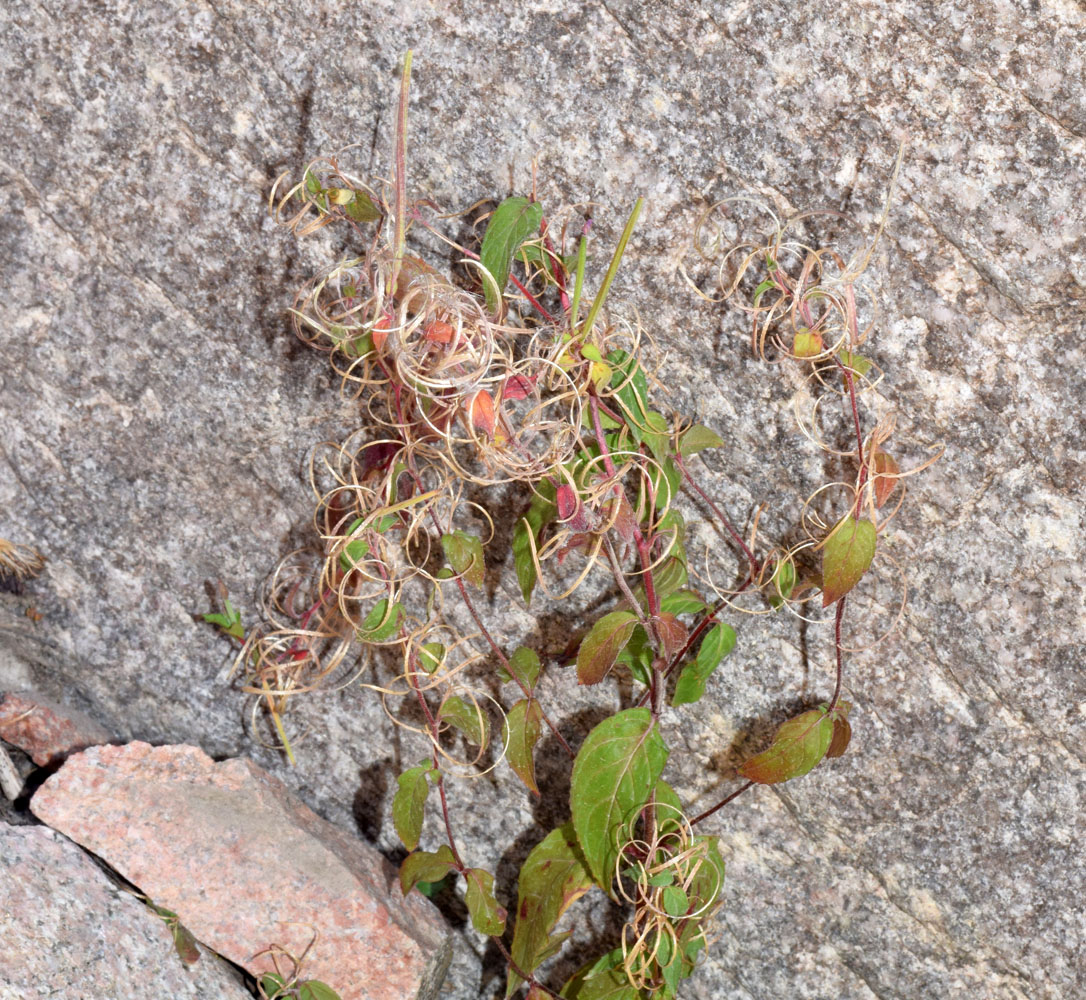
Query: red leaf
{"points": [[439, 332], [672, 633], [842, 730], [624, 521], [602, 645], [481, 408], [518, 386], [798, 746], [885, 471], [566, 502], [380, 332]]}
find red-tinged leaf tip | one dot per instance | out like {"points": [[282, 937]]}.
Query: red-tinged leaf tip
{"points": [[672, 633], [518, 386], [807, 344], [481, 409], [380, 332], [886, 473], [601, 646], [520, 733], [847, 555], [552, 878], [566, 502], [842, 730], [798, 746], [439, 332]]}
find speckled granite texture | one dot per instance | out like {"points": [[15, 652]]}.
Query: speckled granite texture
{"points": [[156, 413], [69, 933]]}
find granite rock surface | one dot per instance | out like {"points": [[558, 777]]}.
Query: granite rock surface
{"points": [[68, 932], [248, 869], [156, 415]]}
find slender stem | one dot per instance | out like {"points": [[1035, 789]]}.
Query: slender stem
{"points": [[578, 283], [837, 647], [720, 805], [728, 526], [639, 538], [526, 976], [432, 725], [557, 264], [505, 662], [612, 270], [532, 300], [659, 686], [400, 233], [620, 579], [475, 614]]}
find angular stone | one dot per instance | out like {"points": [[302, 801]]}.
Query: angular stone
{"points": [[68, 933], [248, 867], [44, 729]]}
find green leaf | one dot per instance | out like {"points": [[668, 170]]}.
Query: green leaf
{"points": [[861, 366], [426, 866], [468, 718], [683, 602], [431, 656], [847, 554], [552, 878], [355, 550], [486, 915], [381, 622], [314, 989], [432, 889], [520, 733], [667, 578], [524, 665], [604, 979], [514, 221], [655, 434], [271, 984], [185, 943], [465, 555], [614, 774], [633, 396], [717, 644], [361, 208], [669, 962], [530, 528], [764, 287], [698, 438], [674, 901], [673, 526], [600, 648], [706, 886], [781, 583], [533, 253], [798, 746], [665, 483], [637, 655], [669, 807], [230, 622], [409, 803]]}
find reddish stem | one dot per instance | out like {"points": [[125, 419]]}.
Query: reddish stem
{"points": [[720, 805]]}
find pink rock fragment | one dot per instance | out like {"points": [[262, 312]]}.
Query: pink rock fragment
{"points": [[246, 867], [48, 732]]}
